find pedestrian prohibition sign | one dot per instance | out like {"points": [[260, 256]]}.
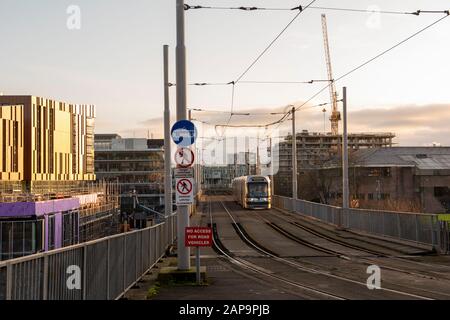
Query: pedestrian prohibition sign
{"points": [[184, 191]]}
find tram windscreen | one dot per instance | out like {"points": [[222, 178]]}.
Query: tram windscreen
{"points": [[256, 190]]}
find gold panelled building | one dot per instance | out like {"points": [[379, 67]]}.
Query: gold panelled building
{"points": [[45, 140]]}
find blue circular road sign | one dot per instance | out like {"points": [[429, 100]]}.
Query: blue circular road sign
{"points": [[184, 133]]}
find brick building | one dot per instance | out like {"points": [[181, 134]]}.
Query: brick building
{"points": [[404, 178]]}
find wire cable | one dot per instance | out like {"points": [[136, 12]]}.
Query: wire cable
{"points": [[301, 10], [369, 61]]}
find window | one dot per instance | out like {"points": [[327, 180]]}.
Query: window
{"points": [[441, 191], [70, 228], [20, 238], [51, 232], [257, 190], [360, 196], [370, 196]]}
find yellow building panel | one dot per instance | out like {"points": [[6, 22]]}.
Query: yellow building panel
{"points": [[45, 140]]}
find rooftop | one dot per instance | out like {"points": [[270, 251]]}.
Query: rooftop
{"points": [[425, 158]]}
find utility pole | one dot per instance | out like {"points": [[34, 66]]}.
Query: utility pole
{"points": [[184, 259], [345, 187], [258, 162], [195, 168], [235, 157], [247, 155], [167, 149], [294, 161]]}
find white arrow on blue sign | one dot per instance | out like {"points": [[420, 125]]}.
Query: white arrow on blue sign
{"points": [[184, 133]]}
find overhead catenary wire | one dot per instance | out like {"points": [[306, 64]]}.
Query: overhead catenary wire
{"points": [[367, 62], [205, 84], [300, 8], [268, 124], [285, 116]]}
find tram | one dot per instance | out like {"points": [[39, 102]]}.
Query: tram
{"points": [[252, 192]]}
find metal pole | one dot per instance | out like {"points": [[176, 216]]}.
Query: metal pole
{"points": [[294, 161], [247, 155], [184, 262], [235, 157], [198, 265], [345, 187], [193, 208], [258, 162], [167, 149]]}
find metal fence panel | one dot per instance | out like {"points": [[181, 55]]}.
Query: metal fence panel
{"points": [[152, 246], [58, 266], [2, 283], [28, 282], [97, 271], [145, 252], [108, 267], [130, 259], [116, 267], [139, 267], [416, 227]]}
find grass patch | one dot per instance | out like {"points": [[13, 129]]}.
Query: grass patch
{"points": [[153, 291]]}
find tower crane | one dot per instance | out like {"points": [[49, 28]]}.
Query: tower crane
{"points": [[335, 114]]}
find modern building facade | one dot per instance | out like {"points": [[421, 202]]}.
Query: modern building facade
{"points": [[48, 195], [45, 140], [314, 149], [137, 165]]}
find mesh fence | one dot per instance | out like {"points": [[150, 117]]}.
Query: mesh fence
{"points": [[98, 270], [416, 227]]}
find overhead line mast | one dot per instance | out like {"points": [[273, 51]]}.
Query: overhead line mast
{"points": [[335, 114]]}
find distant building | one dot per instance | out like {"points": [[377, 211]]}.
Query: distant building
{"points": [[398, 178], [136, 164], [313, 149], [48, 195], [219, 178]]}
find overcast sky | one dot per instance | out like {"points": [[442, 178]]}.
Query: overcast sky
{"points": [[115, 61]]}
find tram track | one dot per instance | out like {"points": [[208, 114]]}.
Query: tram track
{"points": [[360, 260], [428, 274], [244, 264], [302, 267]]}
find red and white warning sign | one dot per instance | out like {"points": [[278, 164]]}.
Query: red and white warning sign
{"points": [[184, 158], [198, 237], [184, 191]]}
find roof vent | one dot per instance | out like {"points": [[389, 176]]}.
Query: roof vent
{"points": [[421, 156]]}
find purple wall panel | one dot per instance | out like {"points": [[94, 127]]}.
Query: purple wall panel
{"points": [[30, 209]]}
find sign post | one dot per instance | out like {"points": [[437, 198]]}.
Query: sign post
{"points": [[184, 134], [198, 237]]}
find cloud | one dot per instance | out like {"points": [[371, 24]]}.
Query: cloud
{"points": [[412, 124]]}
